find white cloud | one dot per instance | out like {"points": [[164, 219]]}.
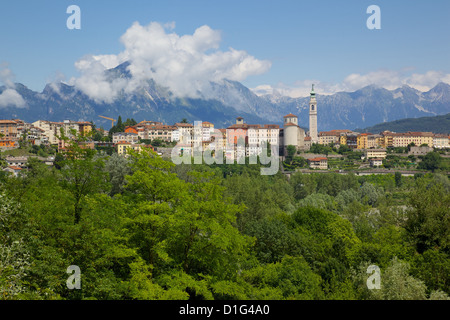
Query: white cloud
{"points": [[9, 97], [389, 79], [94, 82], [185, 64]]}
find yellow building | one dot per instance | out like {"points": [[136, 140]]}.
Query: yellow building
{"points": [[387, 139], [418, 138], [123, 147], [84, 127], [362, 141]]}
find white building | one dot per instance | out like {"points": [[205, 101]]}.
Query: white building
{"points": [[51, 129], [376, 162], [129, 137], [293, 135], [183, 132], [441, 141]]}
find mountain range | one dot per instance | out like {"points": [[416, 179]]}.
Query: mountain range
{"points": [[227, 100]]}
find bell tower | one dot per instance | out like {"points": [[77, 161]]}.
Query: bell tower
{"points": [[313, 117]]}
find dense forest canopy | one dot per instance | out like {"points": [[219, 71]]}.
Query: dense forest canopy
{"points": [[142, 228]]}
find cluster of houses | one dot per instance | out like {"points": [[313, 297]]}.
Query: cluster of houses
{"points": [[385, 139], [237, 140], [38, 132]]}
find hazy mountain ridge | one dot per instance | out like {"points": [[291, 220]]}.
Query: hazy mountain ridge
{"points": [[368, 106], [227, 100]]}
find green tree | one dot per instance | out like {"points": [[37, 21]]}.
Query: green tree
{"points": [[398, 179], [180, 229], [14, 255], [292, 278], [433, 267], [398, 284], [291, 150], [431, 161], [82, 172], [428, 221], [117, 168]]}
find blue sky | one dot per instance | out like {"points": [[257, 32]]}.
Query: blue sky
{"points": [[326, 42]]}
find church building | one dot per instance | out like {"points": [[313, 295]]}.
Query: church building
{"points": [[294, 135]]}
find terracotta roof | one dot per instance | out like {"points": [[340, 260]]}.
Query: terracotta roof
{"points": [[238, 126], [15, 168], [308, 139], [290, 115], [317, 159], [124, 134], [160, 127], [271, 126], [145, 122], [183, 124], [290, 124], [413, 134], [329, 133]]}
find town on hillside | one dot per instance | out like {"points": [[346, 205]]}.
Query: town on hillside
{"points": [[335, 150]]}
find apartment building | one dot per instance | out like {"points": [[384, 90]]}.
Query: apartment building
{"points": [[418, 138], [351, 140], [183, 132], [375, 153], [441, 141], [250, 139], [375, 141], [207, 130], [36, 135], [123, 147], [51, 129], [8, 128], [333, 136], [161, 132], [362, 141], [125, 137]]}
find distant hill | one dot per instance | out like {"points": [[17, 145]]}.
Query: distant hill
{"points": [[438, 124]]}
